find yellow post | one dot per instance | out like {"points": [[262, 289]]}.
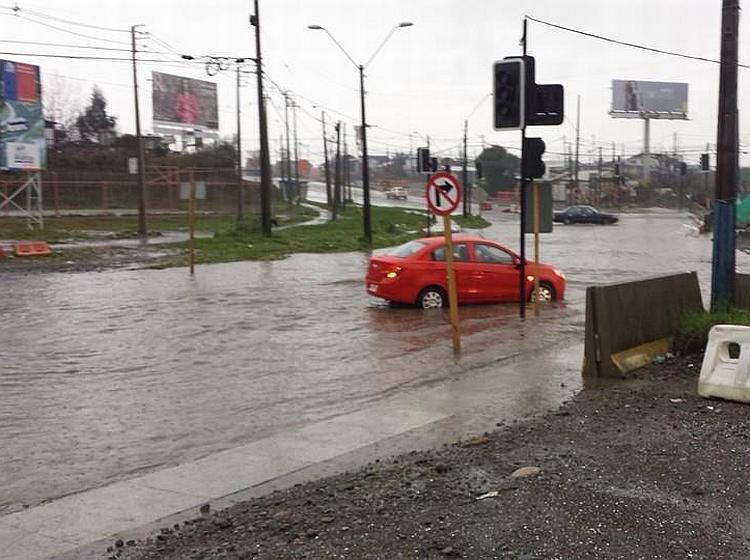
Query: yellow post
{"points": [[536, 248], [191, 221], [452, 297]]}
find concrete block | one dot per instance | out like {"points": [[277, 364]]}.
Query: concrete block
{"points": [[620, 317], [723, 375]]}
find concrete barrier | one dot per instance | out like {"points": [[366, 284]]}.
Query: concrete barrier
{"points": [[725, 375], [626, 323]]}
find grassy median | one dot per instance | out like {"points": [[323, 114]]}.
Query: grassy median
{"points": [[390, 226]]}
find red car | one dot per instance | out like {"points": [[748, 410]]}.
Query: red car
{"points": [[486, 272]]}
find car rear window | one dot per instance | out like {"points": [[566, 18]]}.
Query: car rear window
{"points": [[406, 249]]}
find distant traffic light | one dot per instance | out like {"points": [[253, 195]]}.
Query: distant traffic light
{"points": [[509, 94], [478, 167], [533, 166], [423, 160], [683, 168], [704, 162], [617, 170]]}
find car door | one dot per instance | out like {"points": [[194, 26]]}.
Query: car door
{"points": [[573, 215], [589, 215], [497, 278], [463, 268]]}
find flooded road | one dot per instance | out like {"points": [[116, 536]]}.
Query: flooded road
{"points": [[105, 375]]}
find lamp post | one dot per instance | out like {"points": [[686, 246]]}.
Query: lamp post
{"points": [[367, 227]]}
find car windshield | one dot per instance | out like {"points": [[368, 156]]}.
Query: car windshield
{"points": [[406, 249]]}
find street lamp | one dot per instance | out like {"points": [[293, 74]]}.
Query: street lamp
{"points": [[365, 164]]}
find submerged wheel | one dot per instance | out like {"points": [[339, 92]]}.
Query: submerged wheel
{"points": [[546, 292], [432, 298]]}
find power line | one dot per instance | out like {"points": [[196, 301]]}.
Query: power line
{"points": [[83, 35], [91, 57], [62, 20], [628, 44], [68, 45]]}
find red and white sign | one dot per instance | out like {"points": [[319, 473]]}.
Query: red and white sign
{"points": [[443, 193]]}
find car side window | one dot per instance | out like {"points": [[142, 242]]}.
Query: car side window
{"points": [[588, 211], [491, 254], [574, 211], [460, 253]]}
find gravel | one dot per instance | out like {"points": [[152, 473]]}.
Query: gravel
{"points": [[629, 469]]}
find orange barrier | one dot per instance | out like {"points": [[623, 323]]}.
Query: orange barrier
{"points": [[32, 249]]}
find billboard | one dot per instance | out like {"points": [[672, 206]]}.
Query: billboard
{"points": [[22, 145], [184, 103], [634, 98]]}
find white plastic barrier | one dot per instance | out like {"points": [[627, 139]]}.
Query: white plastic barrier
{"points": [[721, 375]]}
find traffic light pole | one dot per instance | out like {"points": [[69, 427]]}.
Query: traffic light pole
{"points": [[522, 245]]}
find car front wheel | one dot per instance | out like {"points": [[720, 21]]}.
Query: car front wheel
{"points": [[432, 298], [546, 292]]}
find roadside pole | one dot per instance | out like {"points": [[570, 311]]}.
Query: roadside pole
{"points": [[191, 221], [536, 246], [452, 296], [443, 194]]}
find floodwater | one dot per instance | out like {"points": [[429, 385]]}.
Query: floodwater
{"points": [[107, 375]]}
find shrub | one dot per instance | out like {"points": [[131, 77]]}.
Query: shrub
{"points": [[691, 330]]}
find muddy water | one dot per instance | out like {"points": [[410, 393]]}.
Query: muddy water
{"points": [[104, 375]]}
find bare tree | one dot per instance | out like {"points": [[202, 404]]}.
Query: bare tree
{"points": [[62, 103]]}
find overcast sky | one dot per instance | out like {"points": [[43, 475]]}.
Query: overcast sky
{"points": [[426, 80]]}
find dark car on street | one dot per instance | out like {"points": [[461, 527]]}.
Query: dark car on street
{"points": [[584, 215]]}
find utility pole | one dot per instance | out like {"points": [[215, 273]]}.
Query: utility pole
{"points": [[240, 190], [288, 148], [265, 157], [347, 178], [337, 188], [467, 208], [142, 227], [327, 167], [367, 224], [599, 178], [578, 143], [723, 272], [282, 166], [297, 188]]}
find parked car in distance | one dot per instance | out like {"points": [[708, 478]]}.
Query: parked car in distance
{"points": [[397, 192], [584, 215], [486, 205], [486, 272]]}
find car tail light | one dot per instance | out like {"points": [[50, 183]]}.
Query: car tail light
{"points": [[393, 273]]}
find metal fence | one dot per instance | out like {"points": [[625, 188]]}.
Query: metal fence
{"points": [[166, 190]]}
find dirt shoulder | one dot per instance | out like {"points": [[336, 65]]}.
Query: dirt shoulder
{"points": [[637, 469]]}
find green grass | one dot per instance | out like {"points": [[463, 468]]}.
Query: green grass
{"points": [[100, 227], [691, 330], [390, 226], [471, 222]]}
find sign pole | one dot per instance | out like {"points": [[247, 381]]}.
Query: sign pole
{"points": [[536, 246], [452, 296], [191, 222], [443, 193]]}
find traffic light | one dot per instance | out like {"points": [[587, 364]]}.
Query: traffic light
{"points": [[617, 170], [544, 103], [478, 167], [683, 168], [509, 93], [433, 164], [704, 162], [423, 160], [533, 166]]}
